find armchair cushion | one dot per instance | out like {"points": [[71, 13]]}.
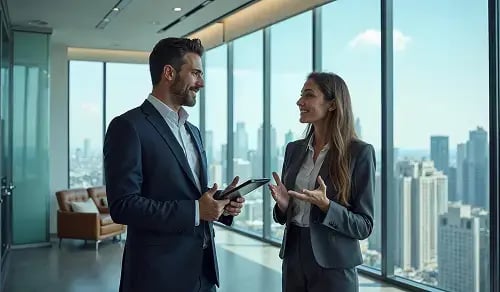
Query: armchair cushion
{"points": [[98, 194], [84, 206], [106, 220]]}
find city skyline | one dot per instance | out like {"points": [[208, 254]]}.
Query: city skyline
{"points": [[422, 194]]}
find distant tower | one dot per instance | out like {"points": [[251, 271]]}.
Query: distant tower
{"points": [[357, 128], [440, 153], [86, 147]]}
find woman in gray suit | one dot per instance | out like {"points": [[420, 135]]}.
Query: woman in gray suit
{"points": [[326, 195]]}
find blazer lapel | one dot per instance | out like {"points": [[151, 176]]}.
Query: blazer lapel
{"points": [[154, 117], [324, 172], [290, 175], [201, 155], [300, 151]]}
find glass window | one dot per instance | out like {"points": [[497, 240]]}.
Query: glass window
{"points": [[127, 86], [216, 115], [85, 123], [291, 61], [351, 49], [248, 118], [440, 132]]}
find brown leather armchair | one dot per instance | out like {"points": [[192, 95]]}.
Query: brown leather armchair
{"points": [[86, 226]]}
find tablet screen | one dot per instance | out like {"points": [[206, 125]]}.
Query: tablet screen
{"points": [[242, 190]]}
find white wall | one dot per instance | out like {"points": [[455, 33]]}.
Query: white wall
{"points": [[58, 126]]}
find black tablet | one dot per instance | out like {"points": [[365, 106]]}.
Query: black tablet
{"points": [[241, 190]]}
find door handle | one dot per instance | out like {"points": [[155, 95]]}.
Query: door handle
{"points": [[6, 191]]}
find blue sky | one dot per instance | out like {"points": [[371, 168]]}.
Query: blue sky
{"points": [[440, 73]]}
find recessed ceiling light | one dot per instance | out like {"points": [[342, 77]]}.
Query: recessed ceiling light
{"points": [[177, 9], [116, 9]]}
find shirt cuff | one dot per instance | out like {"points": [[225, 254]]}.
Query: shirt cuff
{"points": [[197, 213]]}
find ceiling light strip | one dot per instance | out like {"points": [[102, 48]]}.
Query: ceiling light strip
{"points": [[186, 15], [114, 11]]}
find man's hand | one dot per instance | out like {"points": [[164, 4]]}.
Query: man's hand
{"points": [[234, 207], [211, 209]]}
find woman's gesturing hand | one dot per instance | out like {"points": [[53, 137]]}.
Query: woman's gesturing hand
{"points": [[316, 197], [279, 193]]}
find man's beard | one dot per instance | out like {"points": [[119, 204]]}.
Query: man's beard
{"points": [[183, 93]]}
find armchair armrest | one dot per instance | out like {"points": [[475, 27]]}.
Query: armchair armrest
{"points": [[103, 210], [78, 225]]}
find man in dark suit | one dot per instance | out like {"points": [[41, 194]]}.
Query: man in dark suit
{"points": [[156, 181]]}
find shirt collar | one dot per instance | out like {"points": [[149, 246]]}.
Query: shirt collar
{"points": [[311, 147], [167, 113]]}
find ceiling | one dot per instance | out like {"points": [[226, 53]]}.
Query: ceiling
{"points": [[135, 27]]}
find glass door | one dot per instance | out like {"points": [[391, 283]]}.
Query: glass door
{"points": [[6, 185]]}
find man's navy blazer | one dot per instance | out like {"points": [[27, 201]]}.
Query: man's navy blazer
{"points": [[151, 189]]}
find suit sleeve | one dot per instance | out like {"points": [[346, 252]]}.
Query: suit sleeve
{"points": [[357, 221], [278, 215], [124, 177]]}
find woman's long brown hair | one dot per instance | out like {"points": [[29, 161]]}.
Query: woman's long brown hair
{"points": [[339, 130]]}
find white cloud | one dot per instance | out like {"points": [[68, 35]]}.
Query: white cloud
{"points": [[372, 37]]}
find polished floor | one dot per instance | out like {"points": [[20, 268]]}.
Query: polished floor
{"points": [[79, 268]]}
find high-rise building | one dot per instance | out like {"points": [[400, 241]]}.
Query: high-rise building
{"points": [[452, 184], [358, 129], [461, 156], [440, 153], [288, 137], [223, 155], [459, 250], [476, 181], [403, 223], [86, 147], [209, 146], [484, 248], [242, 168], [275, 152], [422, 196], [241, 141], [215, 175]]}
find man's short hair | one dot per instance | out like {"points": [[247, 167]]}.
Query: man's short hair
{"points": [[171, 51]]}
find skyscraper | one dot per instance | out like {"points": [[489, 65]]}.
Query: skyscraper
{"points": [[406, 171], [86, 147], [274, 150], [476, 181], [440, 153], [459, 250], [461, 156], [422, 196], [209, 146], [452, 184], [358, 129], [241, 142], [288, 137]]}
